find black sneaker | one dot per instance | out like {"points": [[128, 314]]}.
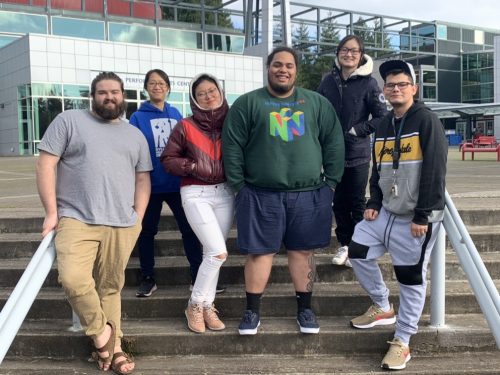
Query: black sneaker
{"points": [[219, 289], [147, 287]]}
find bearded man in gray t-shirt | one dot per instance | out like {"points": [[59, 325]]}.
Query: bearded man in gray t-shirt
{"points": [[93, 180]]}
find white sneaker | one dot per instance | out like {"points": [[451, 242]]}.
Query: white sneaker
{"points": [[341, 257]]}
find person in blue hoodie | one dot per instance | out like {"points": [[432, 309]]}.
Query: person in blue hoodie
{"points": [[156, 119]]}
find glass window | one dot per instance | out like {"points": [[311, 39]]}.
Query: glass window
{"points": [[231, 98], [131, 108], [429, 93], [429, 76], [76, 104], [176, 96], [76, 91], [181, 39], [143, 95], [442, 32], [78, 28], [22, 23], [6, 39], [46, 89], [131, 94], [226, 43], [120, 32], [45, 110]]}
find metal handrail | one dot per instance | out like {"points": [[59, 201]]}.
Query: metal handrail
{"points": [[17, 306], [26, 290], [480, 280]]}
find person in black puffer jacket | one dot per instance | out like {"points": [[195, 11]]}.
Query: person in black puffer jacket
{"points": [[194, 152], [360, 105]]}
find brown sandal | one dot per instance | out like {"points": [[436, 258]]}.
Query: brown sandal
{"points": [[116, 367], [108, 347]]}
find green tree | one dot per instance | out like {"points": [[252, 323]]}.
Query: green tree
{"points": [[300, 42], [329, 40]]}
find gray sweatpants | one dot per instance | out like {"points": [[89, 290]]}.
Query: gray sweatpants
{"points": [[410, 257]]}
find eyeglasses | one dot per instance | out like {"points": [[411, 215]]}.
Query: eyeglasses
{"points": [[353, 51], [206, 94], [401, 85], [159, 84]]}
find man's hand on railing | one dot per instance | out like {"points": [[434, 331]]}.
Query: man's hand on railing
{"points": [[49, 224]]}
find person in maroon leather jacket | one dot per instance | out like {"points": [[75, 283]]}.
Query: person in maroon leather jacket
{"points": [[194, 152]]}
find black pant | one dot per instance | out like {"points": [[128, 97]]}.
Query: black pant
{"points": [[192, 246], [349, 201]]}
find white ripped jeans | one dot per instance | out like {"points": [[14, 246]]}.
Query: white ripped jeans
{"points": [[209, 210]]}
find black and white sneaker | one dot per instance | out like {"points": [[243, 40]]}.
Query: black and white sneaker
{"points": [[147, 287], [307, 321]]}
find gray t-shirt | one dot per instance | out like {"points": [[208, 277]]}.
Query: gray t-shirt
{"points": [[97, 166]]}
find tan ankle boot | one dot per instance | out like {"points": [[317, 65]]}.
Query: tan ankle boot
{"points": [[194, 315], [212, 319]]}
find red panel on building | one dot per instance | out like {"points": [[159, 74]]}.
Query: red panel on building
{"points": [[96, 6], [39, 3], [144, 10], [15, 1], [119, 8], [67, 4]]}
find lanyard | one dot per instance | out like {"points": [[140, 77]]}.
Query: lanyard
{"points": [[396, 153]]}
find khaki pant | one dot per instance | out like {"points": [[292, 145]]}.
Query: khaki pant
{"points": [[91, 260]]}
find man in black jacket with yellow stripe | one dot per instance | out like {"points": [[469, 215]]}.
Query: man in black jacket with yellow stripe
{"points": [[404, 212]]}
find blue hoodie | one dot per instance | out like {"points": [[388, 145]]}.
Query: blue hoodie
{"points": [[156, 127]]}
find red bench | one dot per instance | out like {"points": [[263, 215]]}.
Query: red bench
{"points": [[472, 148], [485, 141]]}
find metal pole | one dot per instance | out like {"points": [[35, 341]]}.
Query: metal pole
{"points": [[483, 297], [438, 279], [17, 306], [77, 325]]}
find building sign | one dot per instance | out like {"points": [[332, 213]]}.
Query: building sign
{"points": [[136, 81]]}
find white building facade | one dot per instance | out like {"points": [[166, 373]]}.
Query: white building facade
{"points": [[43, 75]]}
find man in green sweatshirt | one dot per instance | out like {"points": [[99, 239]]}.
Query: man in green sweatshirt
{"points": [[283, 153]]}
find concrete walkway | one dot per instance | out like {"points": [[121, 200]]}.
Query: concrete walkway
{"points": [[472, 184]]}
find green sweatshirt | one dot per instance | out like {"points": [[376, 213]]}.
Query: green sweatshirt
{"points": [[290, 144]]}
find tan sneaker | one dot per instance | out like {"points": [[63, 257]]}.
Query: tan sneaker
{"points": [[194, 315], [212, 319], [397, 356], [374, 316]]}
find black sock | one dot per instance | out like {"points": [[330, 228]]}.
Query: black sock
{"points": [[253, 301], [303, 300]]}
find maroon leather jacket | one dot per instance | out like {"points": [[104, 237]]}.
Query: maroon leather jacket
{"points": [[194, 149]]}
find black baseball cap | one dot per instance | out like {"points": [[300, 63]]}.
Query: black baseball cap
{"points": [[391, 65]]}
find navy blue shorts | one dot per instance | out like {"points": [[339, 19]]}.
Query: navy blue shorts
{"points": [[300, 220]]}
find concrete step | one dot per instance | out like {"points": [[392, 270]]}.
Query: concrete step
{"points": [[330, 299], [350, 364], [33, 224], [169, 243], [174, 270], [277, 335]]}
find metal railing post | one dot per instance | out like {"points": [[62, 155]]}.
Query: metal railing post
{"points": [[438, 279], [17, 306], [77, 325]]}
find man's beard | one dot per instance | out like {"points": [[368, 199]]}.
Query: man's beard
{"points": [[108, 113], [280, 88]]}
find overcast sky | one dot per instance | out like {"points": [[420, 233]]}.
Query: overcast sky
{"points": [[485, 13]]}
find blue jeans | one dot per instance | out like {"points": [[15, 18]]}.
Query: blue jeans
{"points": [[192, 247]]}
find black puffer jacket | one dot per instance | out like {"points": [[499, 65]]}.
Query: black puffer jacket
{"points": [[194, 149], [354, 100]]}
